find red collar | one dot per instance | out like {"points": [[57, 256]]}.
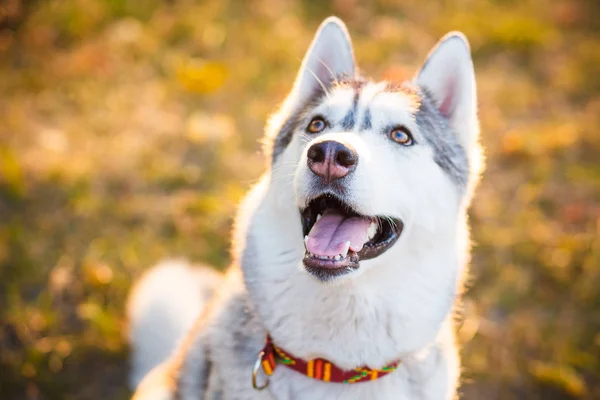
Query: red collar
{"points": [[317, 368]]}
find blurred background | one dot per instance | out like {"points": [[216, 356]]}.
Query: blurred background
{"points": [[129, 130]]}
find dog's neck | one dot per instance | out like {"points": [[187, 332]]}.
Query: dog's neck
{"points": [[394, 309]]}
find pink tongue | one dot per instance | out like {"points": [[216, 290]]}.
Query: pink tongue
{"points": [[329, 234]]}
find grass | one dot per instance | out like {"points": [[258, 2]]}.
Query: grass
{"points": [[129, 131]]}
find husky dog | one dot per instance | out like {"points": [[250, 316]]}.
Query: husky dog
{"points": [[351, 249]]}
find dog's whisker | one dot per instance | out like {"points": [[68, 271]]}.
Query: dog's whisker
{"points": [[319, 81], [333, 75]]}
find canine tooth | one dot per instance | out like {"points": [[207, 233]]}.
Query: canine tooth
{"points": [[346, 248], [372, 230], [319, 216], [306, 242]]}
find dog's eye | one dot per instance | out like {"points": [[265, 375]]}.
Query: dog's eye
{"points": [[316, 125], [401, 135]]}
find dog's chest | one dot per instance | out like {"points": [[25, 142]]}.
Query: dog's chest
{"points": [[235, 346]]}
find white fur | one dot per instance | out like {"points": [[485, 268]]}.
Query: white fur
{"points": [[395, 309]]}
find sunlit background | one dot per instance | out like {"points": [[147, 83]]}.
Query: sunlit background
{"points": [[129, 130]]}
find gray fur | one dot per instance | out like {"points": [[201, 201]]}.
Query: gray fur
{"points": [[194, 368], [286, 132], [350, 118], [234, 339], [284, 136], [448, 153], [366, 123]]}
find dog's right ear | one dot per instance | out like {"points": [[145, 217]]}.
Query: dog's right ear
{"points": [[329, 57]]}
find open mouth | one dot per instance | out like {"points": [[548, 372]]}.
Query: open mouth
{"points": [[337, 238]]}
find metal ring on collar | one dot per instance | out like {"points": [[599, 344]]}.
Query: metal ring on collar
{"points": [[255, 369]]}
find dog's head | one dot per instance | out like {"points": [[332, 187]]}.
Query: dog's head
{"points": [[370, 163]]}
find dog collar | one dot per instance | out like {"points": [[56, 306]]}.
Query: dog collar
{"points": [[318, 368]]}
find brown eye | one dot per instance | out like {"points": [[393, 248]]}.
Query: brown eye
{"points": [[401, 135], [316, 125]]}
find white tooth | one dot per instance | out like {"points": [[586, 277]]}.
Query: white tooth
{"points": [[346, 248], [319, 216], [340, 258], [372, 230], [306, 242]]}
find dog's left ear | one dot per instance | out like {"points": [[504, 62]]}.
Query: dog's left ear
{"points": [[449, 77]]}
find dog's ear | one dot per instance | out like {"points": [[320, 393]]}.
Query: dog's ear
{"points": [[329, 57], [449, 77]]}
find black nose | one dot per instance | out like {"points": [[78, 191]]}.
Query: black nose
{"points": [[331, 160]]}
